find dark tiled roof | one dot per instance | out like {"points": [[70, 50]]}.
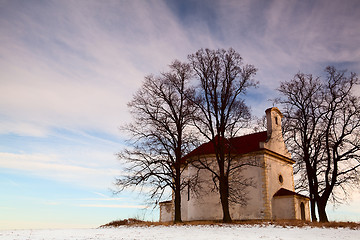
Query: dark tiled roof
{"points": [[238, 145], [286, 192]]}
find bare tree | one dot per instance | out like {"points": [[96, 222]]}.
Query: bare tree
{"points": [[161, 113], [322, 131], [224, 80], [341, 154], [302, 112]]}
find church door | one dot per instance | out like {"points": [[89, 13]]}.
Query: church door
{"points": [[302, 210]]}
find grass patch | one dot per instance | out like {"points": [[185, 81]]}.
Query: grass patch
{"points": [[280, 223], [298, 223], [129, 221]]}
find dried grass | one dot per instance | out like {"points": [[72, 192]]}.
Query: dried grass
{"points": [[280, 223], [117, 223]]}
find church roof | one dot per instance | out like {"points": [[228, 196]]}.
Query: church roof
{"points": [[286, 192], [237, 145]]}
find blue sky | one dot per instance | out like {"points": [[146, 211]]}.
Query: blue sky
{"points": [[68, 68]]}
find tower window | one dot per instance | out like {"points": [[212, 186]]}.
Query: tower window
{"points": [[276, 121]]}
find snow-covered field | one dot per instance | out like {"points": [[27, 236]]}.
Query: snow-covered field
{"points": [[184, 232]]}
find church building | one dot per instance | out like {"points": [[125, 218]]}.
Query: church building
{"points": [[272, 195]]}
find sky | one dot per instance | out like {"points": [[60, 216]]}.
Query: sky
{"points": [[68, 69]]}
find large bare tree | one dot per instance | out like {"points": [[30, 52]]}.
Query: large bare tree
{"points": [[223, 81], [161, 114], [303, 96], [323, 132]]}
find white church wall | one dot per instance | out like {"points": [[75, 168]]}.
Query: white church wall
{"points": [[279, 175], [184, 195], [184, 205], [205, 203], [254, 208], [283, 207], [260, 205]]}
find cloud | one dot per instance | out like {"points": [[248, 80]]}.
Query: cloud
{"points": [[22, 128], [285, 37], [99, 199], [73, 65], [76, 65], [53, 167], [112, 206]]}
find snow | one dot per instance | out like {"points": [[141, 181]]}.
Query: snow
{"points": [[224, 232]]}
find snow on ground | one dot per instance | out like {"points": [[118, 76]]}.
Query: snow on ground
{"points": [[225, 232]]}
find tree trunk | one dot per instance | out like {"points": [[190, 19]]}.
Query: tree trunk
{"points": [[312, 199], [224, 197], [312, 189], [321, 210], [312, 208], [177, 200]]}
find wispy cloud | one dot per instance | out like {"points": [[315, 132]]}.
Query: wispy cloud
{"points": [[99, 199], [112, 206], [76, 65], [80, 68], [282, 38], [52, 167]]}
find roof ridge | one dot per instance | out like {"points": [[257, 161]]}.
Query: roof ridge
{"points": [[249, 134], [238, 145], [287, 192]]}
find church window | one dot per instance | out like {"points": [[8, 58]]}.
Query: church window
{"points": [[281, 180]]}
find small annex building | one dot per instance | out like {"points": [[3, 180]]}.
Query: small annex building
{"points": [[272, 195]]}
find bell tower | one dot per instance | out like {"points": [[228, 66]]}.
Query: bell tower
{"points": [[273, 120], [275, 140]]}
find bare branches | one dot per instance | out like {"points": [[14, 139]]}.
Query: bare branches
{"points": [[323, 132], [223, 81], [161, 114], [222, 113]]}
